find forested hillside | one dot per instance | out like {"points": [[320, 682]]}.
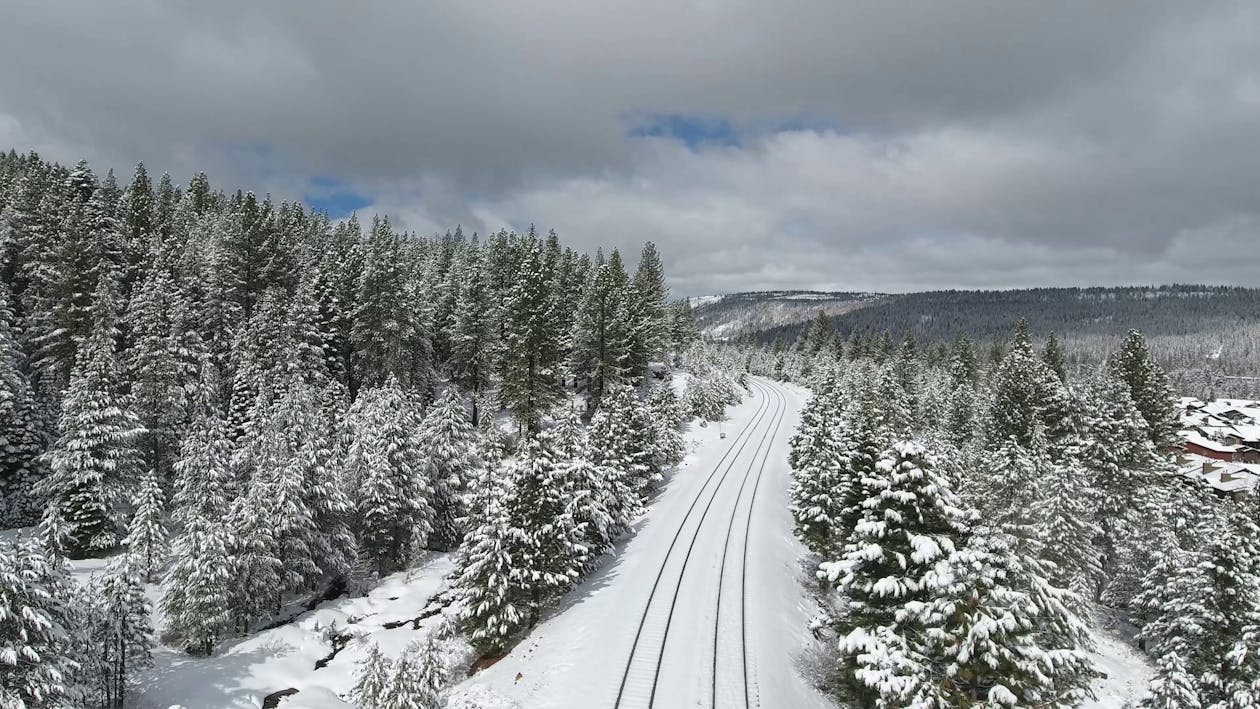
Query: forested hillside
{"points": [[248, 403], [736, 315], [1207, 337], [985, 315]]}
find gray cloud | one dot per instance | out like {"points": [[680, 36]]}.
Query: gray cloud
{"points": [[985, 144]]}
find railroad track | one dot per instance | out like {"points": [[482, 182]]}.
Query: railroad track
{"points": [[744, 671], [642, 671]]}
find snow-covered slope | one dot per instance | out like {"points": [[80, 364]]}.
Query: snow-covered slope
{"points": [[247, 670], [724, 317]]}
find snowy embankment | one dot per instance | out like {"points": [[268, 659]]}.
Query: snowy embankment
{"points": [[245, 671]]}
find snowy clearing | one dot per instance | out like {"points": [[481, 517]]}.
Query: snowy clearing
{"points": [[247, 670]]}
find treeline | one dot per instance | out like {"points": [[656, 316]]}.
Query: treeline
{"points": [[1222, 362], [254, 402], [972, 516], [1204, 336]]}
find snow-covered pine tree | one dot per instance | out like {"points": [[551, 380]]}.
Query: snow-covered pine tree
{"points": [[319, 454], [450, 446], [862, 442], [492, 587], [94, 461], [372, 678], [124, 641], [530, 382], [138, 227], [998, 633], [601, 337], [1054, 358], [553, 553], [86, 253], [1148, 386], [21, 437], [960, 414], [146, 535], [816, 488], [385, 328], [620, 442], [197, 591], [419, 678], [472, 336], [156, 366], [1123, 470], [1172, 687], [666, 413], [387, 475], [1068, 528], [1204, 604], [1009, 490], [38, 665], [910, 524], [649, 282], [702, 400]]}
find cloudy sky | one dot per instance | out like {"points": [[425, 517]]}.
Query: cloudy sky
{"points": [[871, 145]]}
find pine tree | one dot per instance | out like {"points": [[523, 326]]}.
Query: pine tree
{"points": [[38, 665], [1204, 604], [472, 342], [601, 338], [372, 680], [450, 447], [385, 470], [124, 638], [620, 441], [1172, 687], [1069, 530], [160, 365], [95, 460], [1053, 356], [649, 283], [385, 331], [21, 438], [1148, 386], [530, 377], [138, 226], [146, 536], [999, 634], [419, 678], [1122, 469], [197, 592], [1009, 491], [1026, 395], [87, 254], [666, 413], [552, 553], [910, 521], [492, 587], [817, 491]]}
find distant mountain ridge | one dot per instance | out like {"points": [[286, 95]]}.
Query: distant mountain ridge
{"points": [[983, 314], [734, 315]]}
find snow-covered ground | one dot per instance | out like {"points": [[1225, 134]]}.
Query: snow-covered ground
{"points": [[725, 622], [1127, 671], [245, 671]]}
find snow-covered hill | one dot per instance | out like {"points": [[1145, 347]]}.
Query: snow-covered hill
{"points": [[726, 317]]}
